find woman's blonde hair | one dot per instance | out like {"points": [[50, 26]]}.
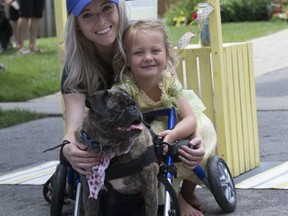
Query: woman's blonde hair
{"points": [[129, 38], [83, 63]]}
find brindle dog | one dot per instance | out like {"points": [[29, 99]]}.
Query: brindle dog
{"points": [[114, 127]]}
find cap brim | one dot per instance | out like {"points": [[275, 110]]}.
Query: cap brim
{"points": [[79, 7], [82, 3]]}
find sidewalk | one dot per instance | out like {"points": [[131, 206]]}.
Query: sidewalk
{"points": [[269, 54], [50, 104]]}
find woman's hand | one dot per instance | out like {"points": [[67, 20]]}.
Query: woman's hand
{"points": [[192, 155], [81, 160]]}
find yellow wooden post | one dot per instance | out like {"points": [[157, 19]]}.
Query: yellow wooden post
{"points": [[220, 91], [60, 18], [234, 99], [222, 75]]}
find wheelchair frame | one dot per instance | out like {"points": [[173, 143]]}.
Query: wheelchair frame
{"points": [[218, 180]]}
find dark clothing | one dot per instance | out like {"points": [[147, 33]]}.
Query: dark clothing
{"points": [[109, 79], [13, 13], [31, 8], [6, 32]]}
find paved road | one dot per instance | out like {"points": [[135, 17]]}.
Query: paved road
{"points": [[272, 111]]}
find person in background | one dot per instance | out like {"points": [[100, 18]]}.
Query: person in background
{"points": [[30, 12], [13, 12], [6, 31]]}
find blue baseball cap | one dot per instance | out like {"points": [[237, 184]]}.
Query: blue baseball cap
{"points": [[76, 6]]}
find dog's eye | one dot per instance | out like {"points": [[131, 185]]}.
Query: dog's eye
{"points": [[132, 103], [122, 105]]}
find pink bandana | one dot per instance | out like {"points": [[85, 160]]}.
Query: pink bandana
{"points": [[96, 180]]}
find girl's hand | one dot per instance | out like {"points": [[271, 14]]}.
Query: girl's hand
{"points": [[168, 136], [193, 155], [81, 160]]}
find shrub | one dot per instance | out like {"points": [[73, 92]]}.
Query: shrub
{"points": [[244, 10], [231, 11]]}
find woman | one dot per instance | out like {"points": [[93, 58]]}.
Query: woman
{"points": [[92, 39]]}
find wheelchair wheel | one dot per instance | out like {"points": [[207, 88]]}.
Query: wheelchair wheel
{"points": [[47, 189], [58, 191], [222, 184]]}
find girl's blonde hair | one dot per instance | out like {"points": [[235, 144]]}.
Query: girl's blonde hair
{"points": [[129, 38], [82, 59]]}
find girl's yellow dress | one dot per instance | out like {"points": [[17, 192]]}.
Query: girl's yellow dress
{"points": [[171, 90]]}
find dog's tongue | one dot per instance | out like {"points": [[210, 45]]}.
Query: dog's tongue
{"points": [[132, 127], [138, 127]]}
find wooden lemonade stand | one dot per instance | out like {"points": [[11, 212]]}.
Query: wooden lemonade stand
{"points": [[223, 77]]}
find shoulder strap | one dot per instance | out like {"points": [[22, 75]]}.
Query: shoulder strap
{"points": [[171, 191], [132, 167]]}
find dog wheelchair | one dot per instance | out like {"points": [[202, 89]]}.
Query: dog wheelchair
{"points": [[66, 182]]}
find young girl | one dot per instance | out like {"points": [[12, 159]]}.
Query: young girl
{"points": [[147, 77]]}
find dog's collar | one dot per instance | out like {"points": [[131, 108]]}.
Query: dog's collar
{"points": [[90, 142]]}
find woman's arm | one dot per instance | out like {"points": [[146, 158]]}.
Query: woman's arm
{"points": [[74, 104], [75, 152]]}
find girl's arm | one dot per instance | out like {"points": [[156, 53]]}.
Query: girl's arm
{"points": [[185, 127], [192, 156], [75, 152]]}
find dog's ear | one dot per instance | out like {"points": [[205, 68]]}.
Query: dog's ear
{"points": [[87, 103], [97, 102], [119, 90]]}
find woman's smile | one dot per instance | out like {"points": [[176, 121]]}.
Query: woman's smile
{"points": [[103, 31]]}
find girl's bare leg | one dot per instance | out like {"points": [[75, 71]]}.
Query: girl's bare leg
{"points": [[189, 204]]}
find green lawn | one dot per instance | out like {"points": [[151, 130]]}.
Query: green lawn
{"points": [[35, 75], [235, 32], [32, 75], [13, 117]]}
